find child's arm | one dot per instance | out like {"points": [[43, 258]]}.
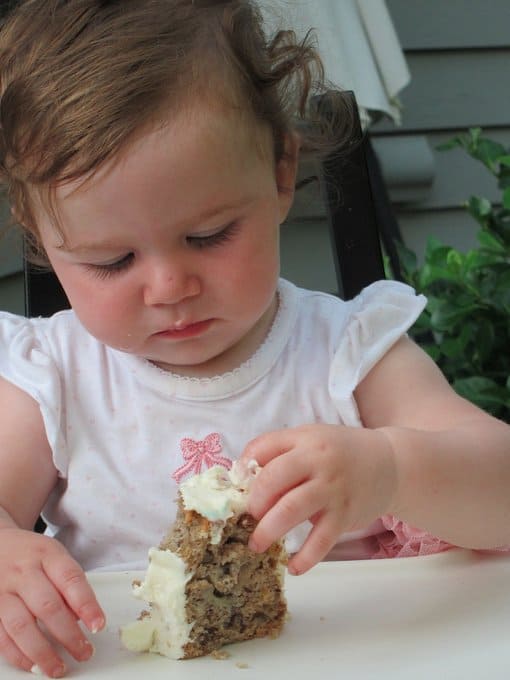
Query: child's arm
{"points": [[424, 455], [40, 580], [452, 459]]}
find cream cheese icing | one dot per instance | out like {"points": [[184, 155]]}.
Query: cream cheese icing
{"points": [[166, 630], [216, 494]]}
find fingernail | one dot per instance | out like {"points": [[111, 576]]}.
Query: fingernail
{"points": [[96, 625], [58, 671], [86, 650]]}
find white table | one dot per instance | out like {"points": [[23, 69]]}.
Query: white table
{"points": [[444, 616]]}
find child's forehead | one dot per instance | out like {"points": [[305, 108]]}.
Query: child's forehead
{"points": [[226, 127], [200, 142]]}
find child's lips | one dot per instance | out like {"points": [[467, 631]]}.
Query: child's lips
{"points": [[190, 330]]}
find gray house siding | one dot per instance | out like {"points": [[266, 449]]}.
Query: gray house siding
{"points": [[458, 53], [11, 264]]}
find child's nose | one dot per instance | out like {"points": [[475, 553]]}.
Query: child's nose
{"points": [[168, 284]]}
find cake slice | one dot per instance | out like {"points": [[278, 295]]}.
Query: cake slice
{"points": [[205, 588]]}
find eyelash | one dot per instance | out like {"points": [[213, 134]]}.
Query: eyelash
{"points": [[217, 239], [104, 271]]}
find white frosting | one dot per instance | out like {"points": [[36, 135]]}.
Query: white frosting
{"points": [[166, 630], [216, 494]]}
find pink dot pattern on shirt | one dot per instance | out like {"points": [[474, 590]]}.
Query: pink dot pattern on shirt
{"points": [[197, 453]]}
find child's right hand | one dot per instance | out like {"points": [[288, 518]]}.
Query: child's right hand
{"points": [[41, 582]]}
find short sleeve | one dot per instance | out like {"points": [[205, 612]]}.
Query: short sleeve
{"points": [[380, 315], [404, 540], [25, 361]]}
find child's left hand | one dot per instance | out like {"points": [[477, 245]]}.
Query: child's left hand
{"points": [[339, 478]]}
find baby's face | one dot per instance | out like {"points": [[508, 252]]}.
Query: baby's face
{"points": [[171, 253]]}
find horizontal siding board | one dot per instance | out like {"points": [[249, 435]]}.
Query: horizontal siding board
{"points": [[11, 257], [12, 294], [306, 251], [452, 227], [306, 255], [455, 90], [456, 175], [433, 24]]}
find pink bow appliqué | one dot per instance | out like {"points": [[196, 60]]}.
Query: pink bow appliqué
{"points": [[198, 453]]}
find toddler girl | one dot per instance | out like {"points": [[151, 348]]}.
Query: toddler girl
{"points": [[149, 149]]}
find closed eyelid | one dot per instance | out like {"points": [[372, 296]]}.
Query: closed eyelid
{"points": [[112, 261], [214, 238], [110, 269]]}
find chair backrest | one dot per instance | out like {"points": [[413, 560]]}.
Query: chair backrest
{"points": [[354, 231], [352, 220]]}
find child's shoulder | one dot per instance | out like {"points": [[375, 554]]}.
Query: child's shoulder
{"points": [[381, 313], [23, 333], [63, 320], [389, 295]]}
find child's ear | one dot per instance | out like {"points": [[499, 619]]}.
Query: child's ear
{"points": [[286, 171]]}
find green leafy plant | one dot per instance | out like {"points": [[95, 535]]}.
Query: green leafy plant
{"points": [[466, 325]]}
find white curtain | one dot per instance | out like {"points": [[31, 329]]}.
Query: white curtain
{"points": [[358, 45]]}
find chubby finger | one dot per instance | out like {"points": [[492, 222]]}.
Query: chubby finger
{"points": [[294, 507], [280, 476], [317, 545], [69, 579], [12, 653], [46, 604], [267, 446], [20, 626]]}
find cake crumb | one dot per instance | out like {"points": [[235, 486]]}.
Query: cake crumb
{"points": [[241, 664], [220, 654]]}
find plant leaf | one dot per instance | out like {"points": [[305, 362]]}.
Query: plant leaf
{"points": [[506, 198], [489, 153], [491, 241]]}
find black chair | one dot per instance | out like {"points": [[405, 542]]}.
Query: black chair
{"points": [[348, 196], [355, 236]]}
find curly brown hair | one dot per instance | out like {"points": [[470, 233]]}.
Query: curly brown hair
{"points": [[80, 79]]}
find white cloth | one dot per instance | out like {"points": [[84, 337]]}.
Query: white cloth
{"points": [[118, 426], [358, 45]]}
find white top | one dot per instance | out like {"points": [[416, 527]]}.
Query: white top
{"points": [[122, 431]]}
